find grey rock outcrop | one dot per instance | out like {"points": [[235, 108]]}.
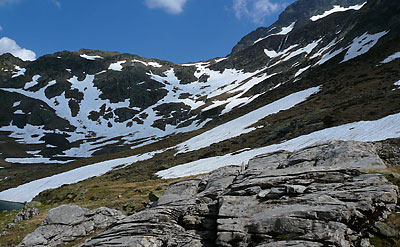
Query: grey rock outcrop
{"points": [[317, 196], [68, 223]]}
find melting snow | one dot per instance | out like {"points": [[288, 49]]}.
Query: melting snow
{"points": [[397, 84], [27, 192], [153, 64], [273, 54], [365, 131], [329, 56], [20, 71], [117, 66], [391, 58], [218, 84], [139, 61], [16, 104], [307, 49], [337, 8], [220, 59], [241, 125], [324, 49], [301, 71], [34, 160], [29, 134], [33, 83], [362, 45], [91, 57], [284, 31]]}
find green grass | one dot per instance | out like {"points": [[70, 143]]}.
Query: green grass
{"points": [[129, 197]]}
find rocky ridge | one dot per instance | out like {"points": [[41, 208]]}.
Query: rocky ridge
{"points": [[318, 196], [295, 17]]}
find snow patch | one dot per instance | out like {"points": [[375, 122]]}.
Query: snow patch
{"points": [[397, 84], [155, 64], [307, 49], [20, 71], [29, 134], [362, 45], [271, 54], [33, 83], [337, 8], [220, 59], [34, 160], [27, 192], [242, 124], [329, 56], [301, 71], [16, 104], [117, 66], [284, 31], [391, 58], [152, 64], [88, 57]]}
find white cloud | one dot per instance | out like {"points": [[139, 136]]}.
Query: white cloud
{"points": [[4, 2], [57, 3], [1, 28], [171, 6], [8, 45], [256, 10]]}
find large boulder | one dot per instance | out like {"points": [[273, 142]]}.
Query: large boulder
{"points": [[67, 223], [317, 196]]}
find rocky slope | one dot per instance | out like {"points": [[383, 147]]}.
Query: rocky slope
{"points": [[70, 105], [317, 196], [333, 74], [296, 16]]}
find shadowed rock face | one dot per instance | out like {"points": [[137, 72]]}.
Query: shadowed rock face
{"points": [[317, 196]]}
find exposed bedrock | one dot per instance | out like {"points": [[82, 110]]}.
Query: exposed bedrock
{"points": [[318, 196]]}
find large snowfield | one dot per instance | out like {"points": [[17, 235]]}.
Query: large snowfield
{"points": [[242, 124], [27, 192], [365, 131]]}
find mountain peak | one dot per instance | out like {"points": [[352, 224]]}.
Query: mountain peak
{"points": [[294, 17]]}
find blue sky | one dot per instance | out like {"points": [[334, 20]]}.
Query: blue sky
{"points": [[174, 30]]}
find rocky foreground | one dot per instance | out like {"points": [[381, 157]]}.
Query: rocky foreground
{"points": [[324, 195]]}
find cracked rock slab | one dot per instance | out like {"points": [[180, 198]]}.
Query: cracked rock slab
{"points": [[68, 223], [317, 196]]}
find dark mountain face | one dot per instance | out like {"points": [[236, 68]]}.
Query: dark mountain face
{"points": [[69, 105], [295, 16]]}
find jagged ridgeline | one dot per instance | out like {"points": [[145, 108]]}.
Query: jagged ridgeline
{"points": [[111, 127]]}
